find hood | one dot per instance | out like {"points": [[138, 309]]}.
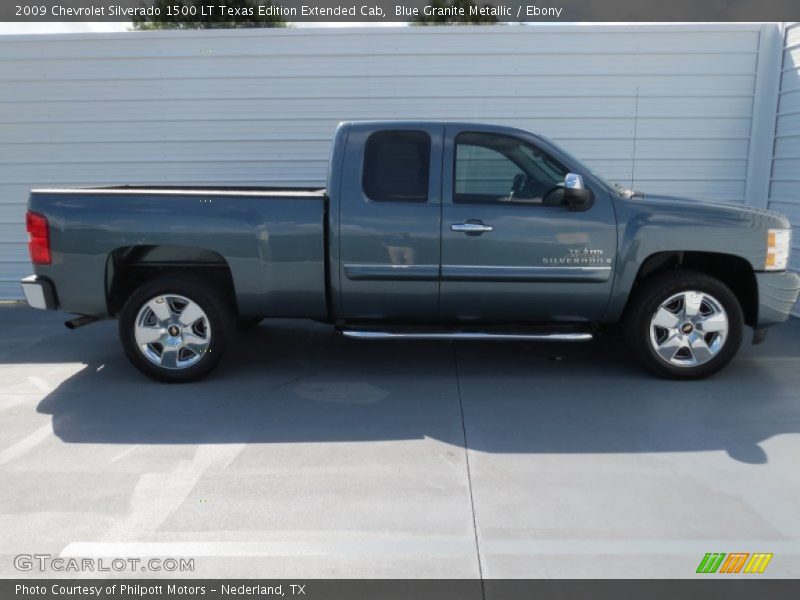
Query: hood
{"points": [[689, 206]]}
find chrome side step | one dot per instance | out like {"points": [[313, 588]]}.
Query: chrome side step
{"points": [[464, 335]]}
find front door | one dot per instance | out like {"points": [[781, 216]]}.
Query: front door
{"points": [[390, 222], [512, 252]]}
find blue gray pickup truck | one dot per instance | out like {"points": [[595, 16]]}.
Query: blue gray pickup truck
{"points": [[426, 230]]}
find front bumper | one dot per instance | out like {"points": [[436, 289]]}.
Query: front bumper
{"points": [[39, 292], [777, 294]]}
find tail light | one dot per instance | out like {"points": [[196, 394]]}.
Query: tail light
{"points": [[38, 238]]}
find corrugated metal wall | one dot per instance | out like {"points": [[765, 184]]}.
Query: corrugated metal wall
{"points": [[784, 190], [667, 106]]}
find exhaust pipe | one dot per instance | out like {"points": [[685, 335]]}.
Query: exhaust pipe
{"points": [[80, 321]]}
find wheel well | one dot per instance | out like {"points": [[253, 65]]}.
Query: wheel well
{"points": [[733, 271], [129, 267]]}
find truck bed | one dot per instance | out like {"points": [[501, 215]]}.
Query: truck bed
{"points": [[271, 239]]}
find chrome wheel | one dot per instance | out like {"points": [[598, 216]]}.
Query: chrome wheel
{"points": [[689, 329], [172, 331]]}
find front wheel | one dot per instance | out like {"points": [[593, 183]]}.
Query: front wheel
{"points": [[175, 329], [685, 325]]}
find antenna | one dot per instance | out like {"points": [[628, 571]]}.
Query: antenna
{"points": [[635, 127]]}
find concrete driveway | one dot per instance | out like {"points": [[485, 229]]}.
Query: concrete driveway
{"points": [[311, 455]]}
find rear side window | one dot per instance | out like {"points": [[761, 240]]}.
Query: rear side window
{"points": [[396, 166]]}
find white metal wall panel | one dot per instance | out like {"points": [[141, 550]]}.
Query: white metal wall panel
{"points": [[259, 106], [784, 191]]}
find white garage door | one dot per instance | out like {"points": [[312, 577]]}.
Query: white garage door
{"points": [[784, 191], [667, 107]]}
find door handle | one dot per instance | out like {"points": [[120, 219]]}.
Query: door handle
{"points": [[471, 227]]}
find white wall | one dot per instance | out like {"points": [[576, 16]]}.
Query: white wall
{"points": [[784, 189], [259, 106]]}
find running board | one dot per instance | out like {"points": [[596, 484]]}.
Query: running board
{"points": [[464, 335]]}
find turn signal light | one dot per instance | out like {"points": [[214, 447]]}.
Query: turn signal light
{"points": [[38, 238], [779, 243]]}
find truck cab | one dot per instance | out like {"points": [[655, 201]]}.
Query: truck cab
{"points": [[457, 222]]}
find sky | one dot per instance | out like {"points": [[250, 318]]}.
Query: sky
{"points": [[9, 28]]}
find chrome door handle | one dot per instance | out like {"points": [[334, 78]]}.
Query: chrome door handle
{"points": [[471, 227]]}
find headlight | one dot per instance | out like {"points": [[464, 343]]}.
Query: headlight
{"points": [[779, 243]]}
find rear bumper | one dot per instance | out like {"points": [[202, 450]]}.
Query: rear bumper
{"points": [[39, 292], [777, 293]]}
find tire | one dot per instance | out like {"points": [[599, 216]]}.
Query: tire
{"points": [[684, 325], [247, 323], [175, 329]]}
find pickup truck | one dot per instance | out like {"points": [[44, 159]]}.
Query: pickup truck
{"points": [[426, 230]]}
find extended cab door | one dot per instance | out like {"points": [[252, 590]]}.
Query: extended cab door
{"points": [[511, 250], [390, 222]]}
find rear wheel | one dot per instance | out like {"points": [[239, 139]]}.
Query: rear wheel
{"points": [[175, 329], [685, 325]]}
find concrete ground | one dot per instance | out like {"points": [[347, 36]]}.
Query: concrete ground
{"points": [[309, 455]]}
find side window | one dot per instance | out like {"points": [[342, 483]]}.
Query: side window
{"points": [[494, 168], [482, 171], [396, 166]]}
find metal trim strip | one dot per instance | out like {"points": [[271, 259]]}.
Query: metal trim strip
{"points": [[534, 274], [198, 192], [366, 272]]}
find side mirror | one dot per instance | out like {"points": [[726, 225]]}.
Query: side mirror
{"points": [[576, 196]]}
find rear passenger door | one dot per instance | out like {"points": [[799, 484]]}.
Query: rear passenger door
{"points": [[390, 222]]}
